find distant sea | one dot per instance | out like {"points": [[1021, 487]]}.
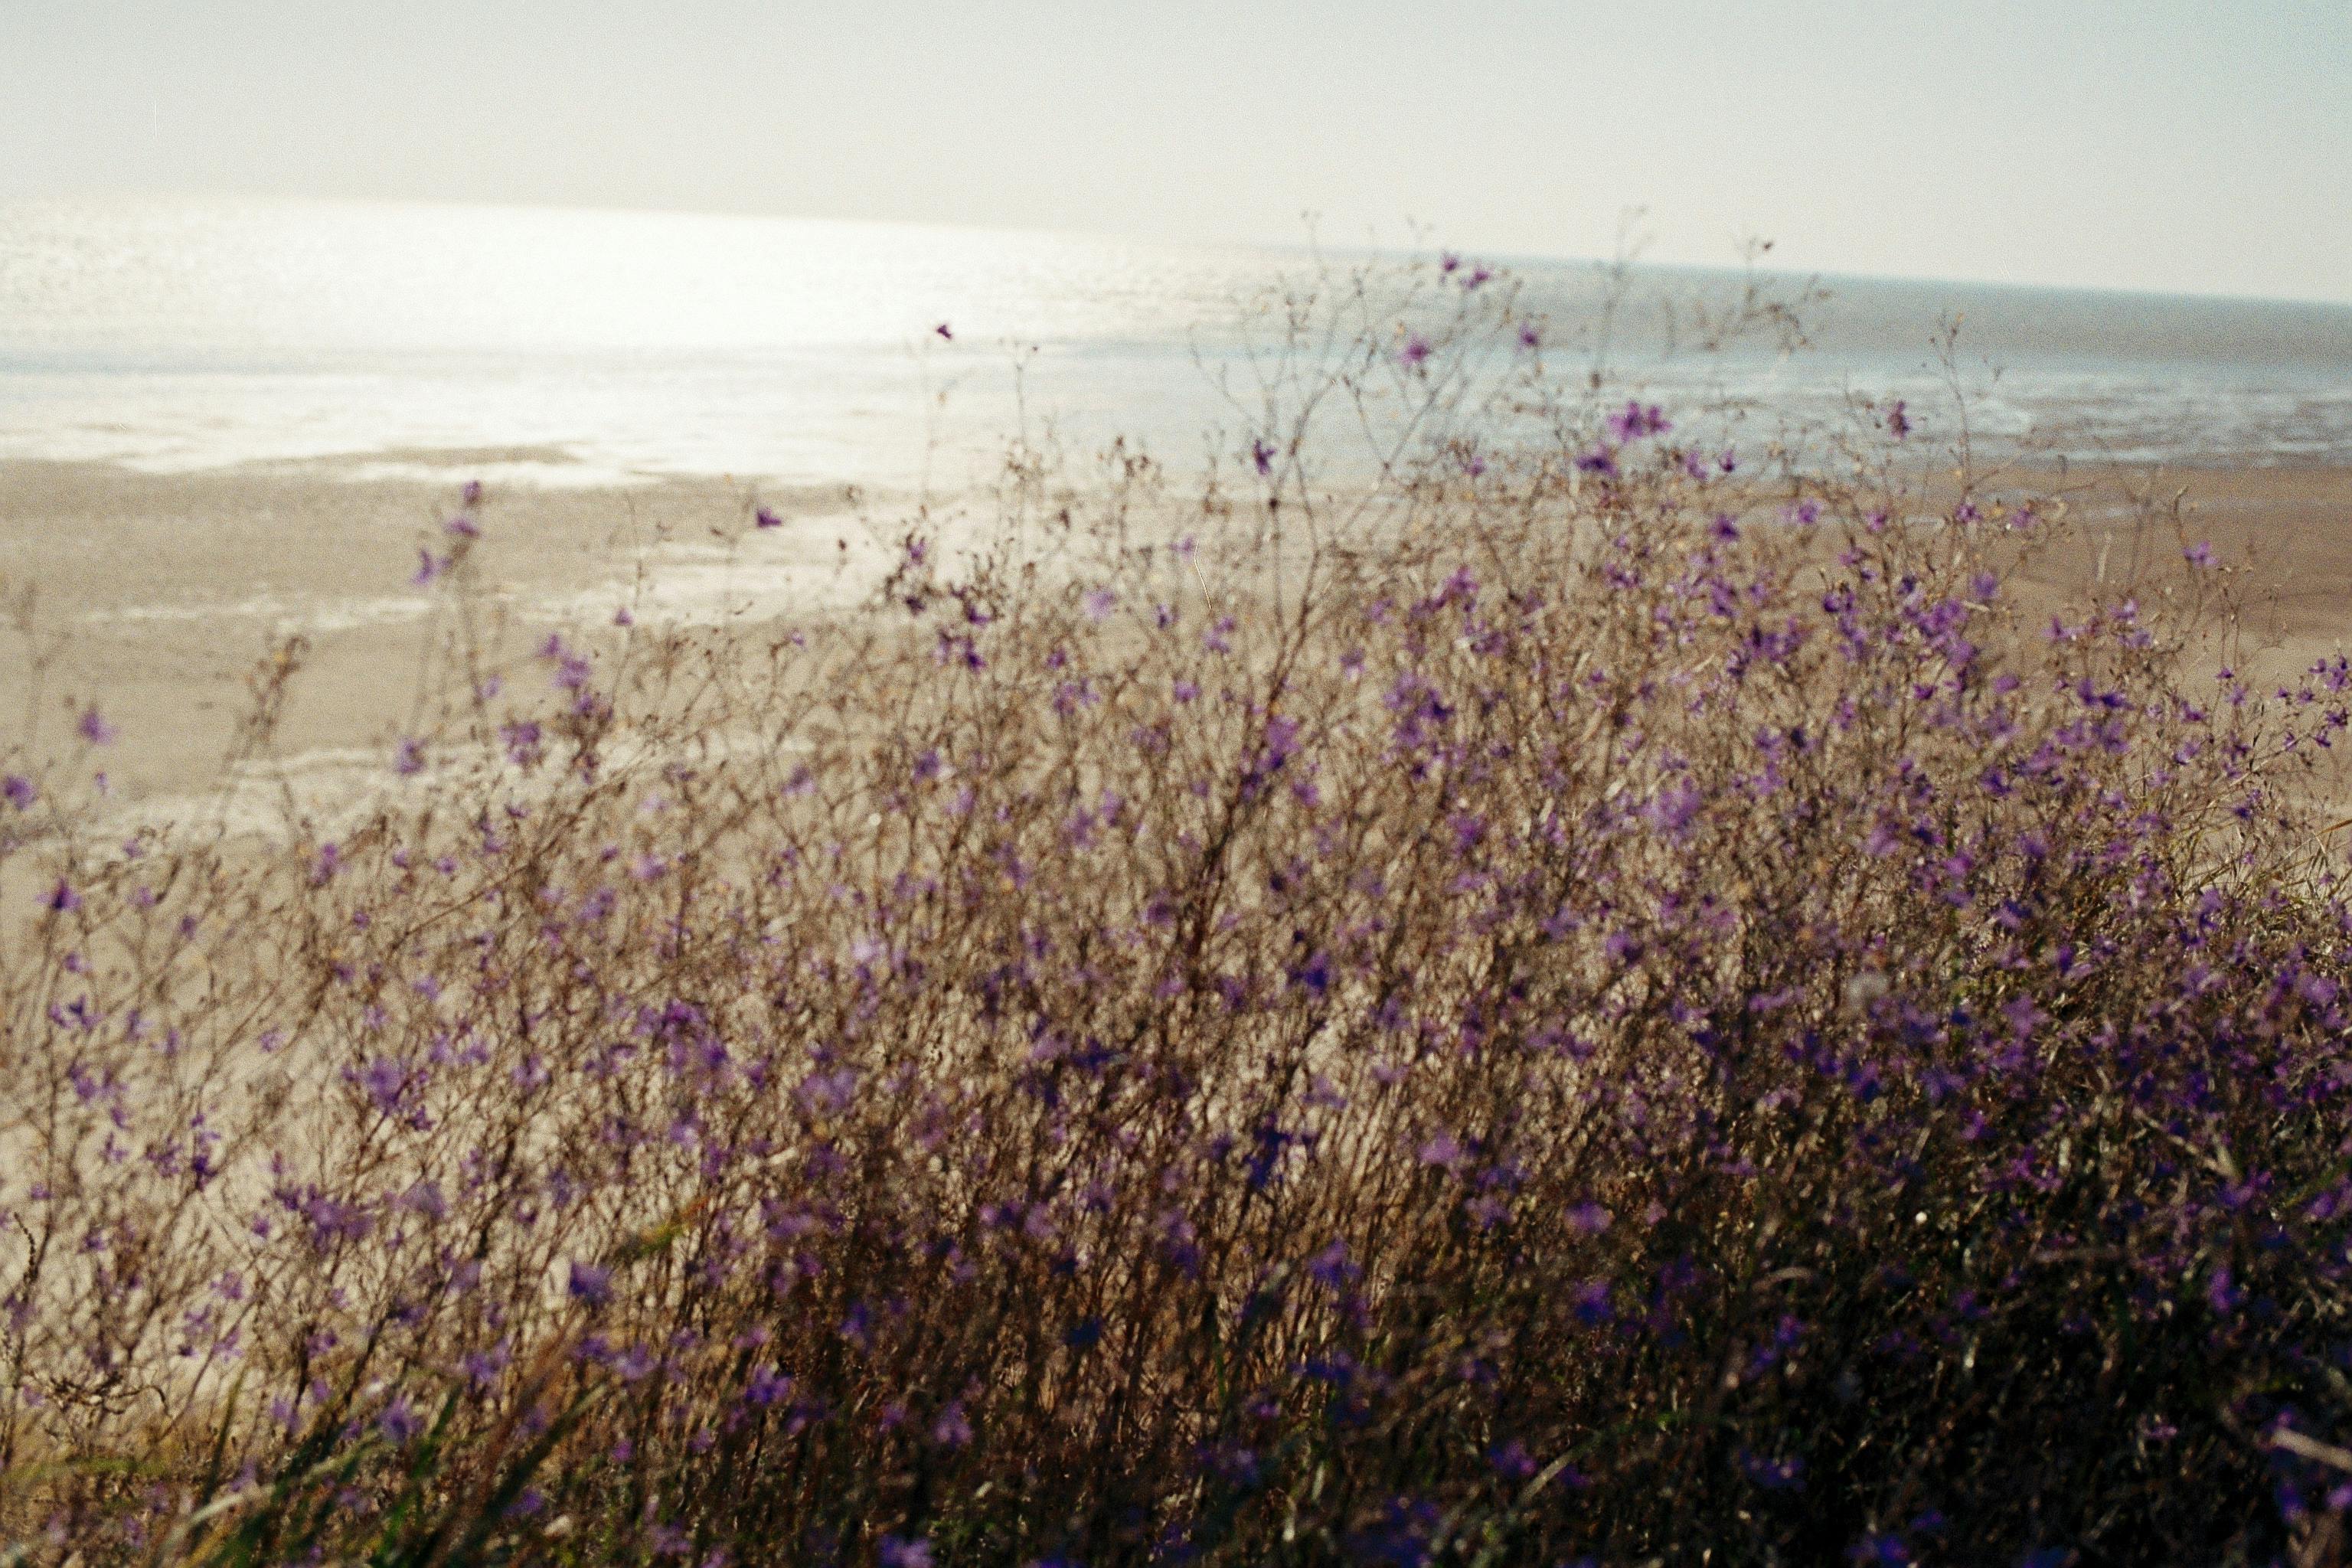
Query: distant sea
{"points": [[586, 346]]}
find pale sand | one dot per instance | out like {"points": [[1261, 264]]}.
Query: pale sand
{"points": [[158, 593], [2281, 537]]}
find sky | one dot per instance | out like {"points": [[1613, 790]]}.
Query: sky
{"points": [[2198, 146]]}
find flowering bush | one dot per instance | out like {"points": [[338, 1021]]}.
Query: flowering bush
{"points": [[1566, 1002]]}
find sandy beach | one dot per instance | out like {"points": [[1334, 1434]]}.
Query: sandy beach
{"points": [[158, 596], [2283, 537]]}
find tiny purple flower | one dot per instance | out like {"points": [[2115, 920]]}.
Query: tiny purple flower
{"points": [[952, 1428], [590, 1284], [400, 1422]]}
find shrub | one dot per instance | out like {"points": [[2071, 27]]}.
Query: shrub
{"points": [[1556, 999]]}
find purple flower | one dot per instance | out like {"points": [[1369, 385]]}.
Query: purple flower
{"points": [[952, 1428], [1468, 828], [63, 899], [384, 1079], [425, 1200], [1772, 1475], [1415, 351], [1633, 422], [945, 335], [1530, 336], [1672, 809], [766, 1386], [2199, 555], [18, 791], [1898, 423], [764, 518], [1262, 455], [1331, 1269], [1315, 975], [482, 1367], [408, 757], [1512, 1461], [94, 727], [589, 1284], [521, 738], [473, 492], [400, 1422], [1099, 603], [2222, 1293]]}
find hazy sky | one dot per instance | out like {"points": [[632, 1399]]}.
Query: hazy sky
{"points": [[2200, 146]]}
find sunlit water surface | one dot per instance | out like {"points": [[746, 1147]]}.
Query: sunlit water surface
{"points": [[575, 346]]}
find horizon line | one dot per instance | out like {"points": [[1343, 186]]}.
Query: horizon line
{"points": [[1309, 245]]}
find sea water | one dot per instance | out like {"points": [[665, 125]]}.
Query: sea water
{"points": [[571, 346]]}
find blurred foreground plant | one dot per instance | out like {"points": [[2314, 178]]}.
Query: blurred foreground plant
{"points": [[1562, 1001]]}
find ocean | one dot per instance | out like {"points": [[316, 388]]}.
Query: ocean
{"points": [[573, 347]]}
